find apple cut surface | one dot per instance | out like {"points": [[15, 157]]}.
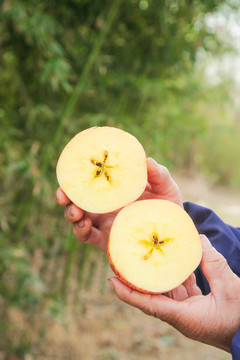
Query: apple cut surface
{"points": [[102, 169], [153, 246]]}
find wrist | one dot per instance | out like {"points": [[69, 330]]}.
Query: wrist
{"points": [[235, 345], [232, 331]]}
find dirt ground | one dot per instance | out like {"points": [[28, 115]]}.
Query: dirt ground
{"points": [[103, 328]]}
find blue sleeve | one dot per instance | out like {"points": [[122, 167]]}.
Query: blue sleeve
{"points": [[226, 239], [235, 347]]}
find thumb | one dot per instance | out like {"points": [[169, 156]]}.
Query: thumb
{"points": [[158, 306], [215, 268], [158, 176], [161, 182]]}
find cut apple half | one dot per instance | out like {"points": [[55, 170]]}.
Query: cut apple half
{"points": [[102, 169], [153, 246]]}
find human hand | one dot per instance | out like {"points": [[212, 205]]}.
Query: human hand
{"points": [[94, 228], [212, 319]]}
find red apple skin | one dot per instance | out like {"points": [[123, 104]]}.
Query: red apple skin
{"points": [[120, 277]]}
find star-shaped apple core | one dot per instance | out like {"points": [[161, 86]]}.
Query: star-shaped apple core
{"points": [[103, 168], [155, 243]]}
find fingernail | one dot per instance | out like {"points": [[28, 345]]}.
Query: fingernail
{"points": [[71, 211], [56, 194], [154, 161], [81, 223], [110, 283], [204, 240]]}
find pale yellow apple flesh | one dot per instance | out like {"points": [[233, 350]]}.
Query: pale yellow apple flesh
{"points": [[102, 169], [154, 246]]}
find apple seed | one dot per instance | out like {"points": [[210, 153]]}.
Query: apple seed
{"points": [[147, 256], [107, 176], [98, 172], [105, 156], [155, 239]]}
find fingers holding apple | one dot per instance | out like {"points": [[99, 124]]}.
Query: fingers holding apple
{"points": [[161, 184], [61, 197], [187, 289], [73, 213], [86, 233], [85, 226], [158, 305]]}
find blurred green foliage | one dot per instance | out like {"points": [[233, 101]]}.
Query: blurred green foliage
{"points": [[68, 65]]}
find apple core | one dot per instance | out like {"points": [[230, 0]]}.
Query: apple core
{"points": [[103, 168], [155, 243]]}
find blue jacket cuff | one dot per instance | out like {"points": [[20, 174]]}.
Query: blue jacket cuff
{"points": [[235, 346]]}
